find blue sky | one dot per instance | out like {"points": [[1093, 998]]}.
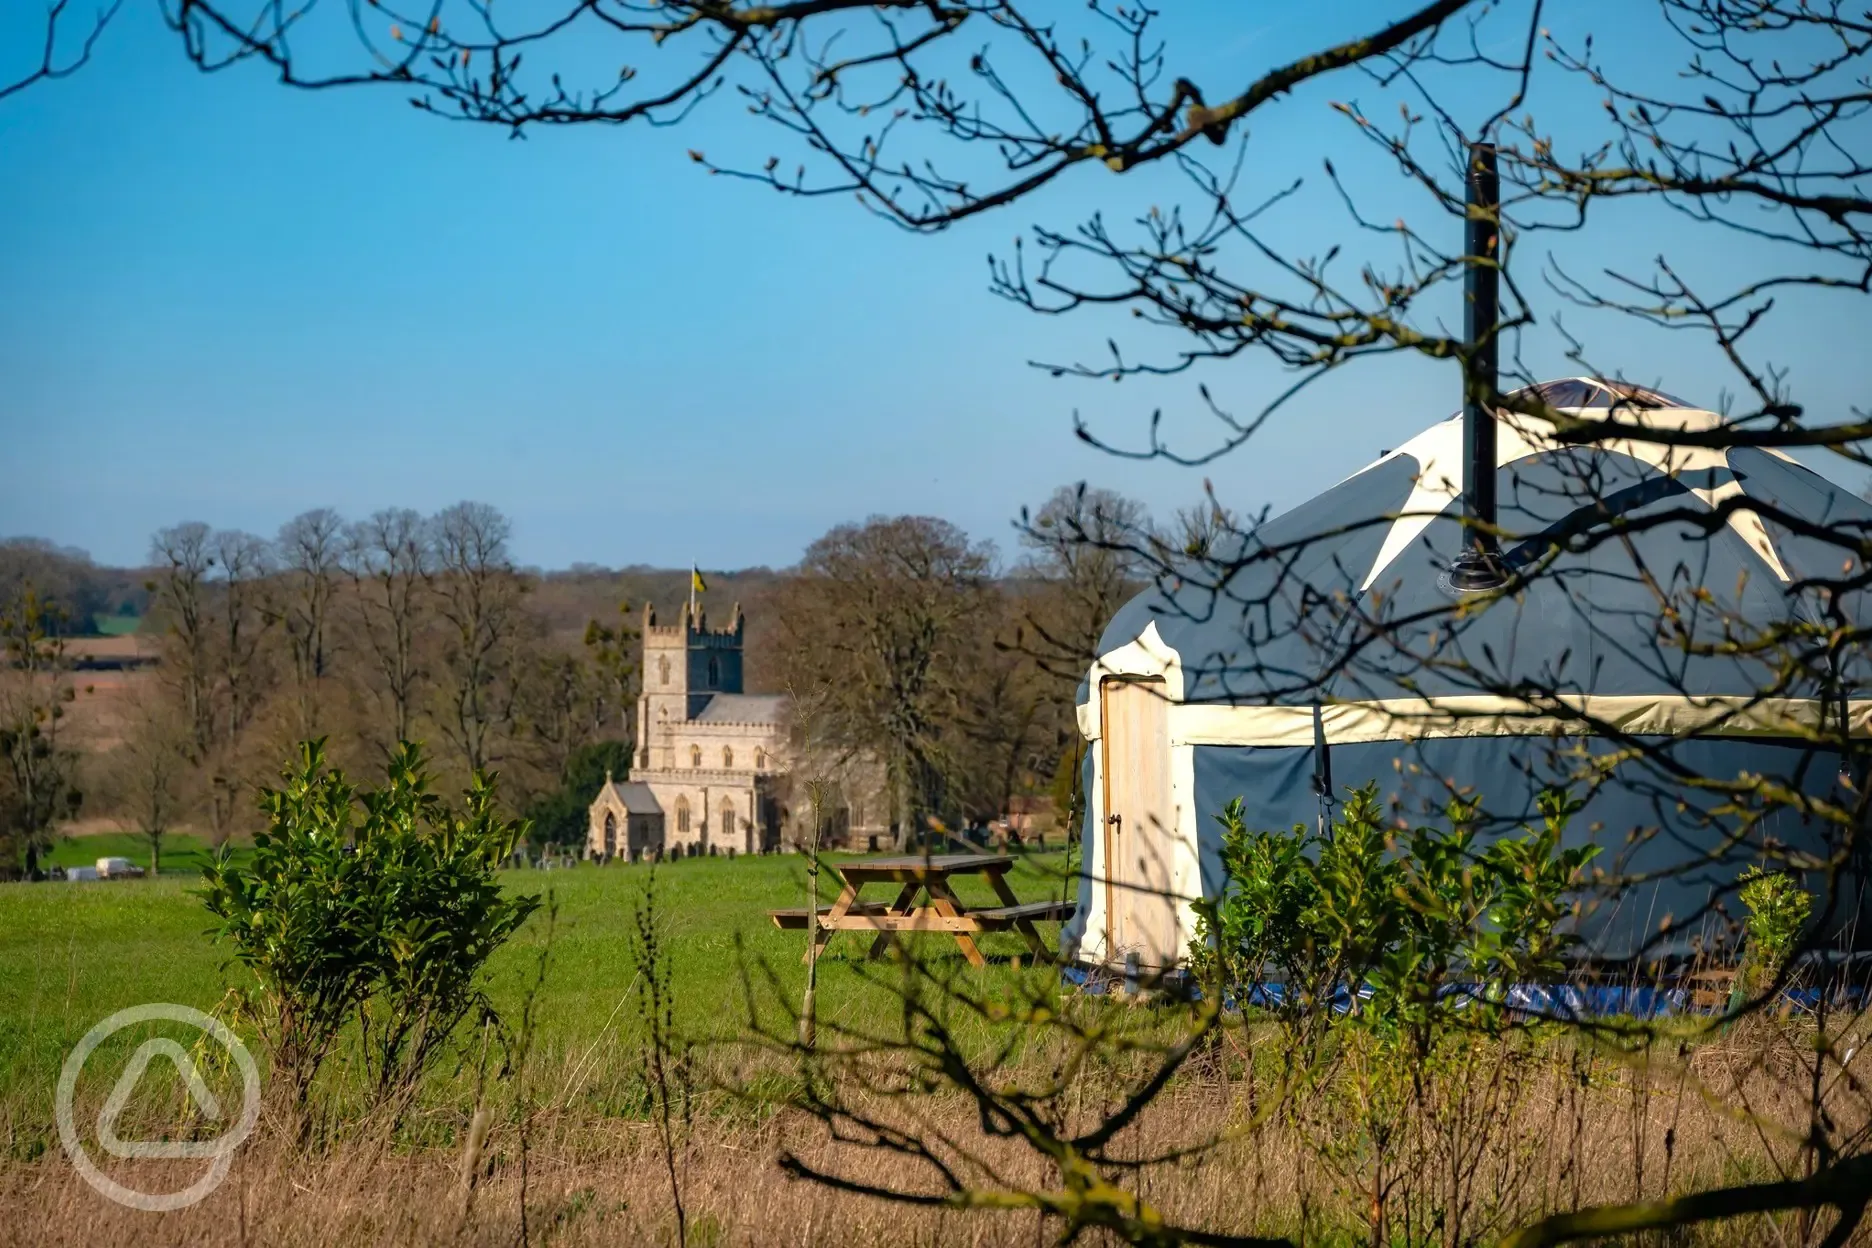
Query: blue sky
{"points": [[226, 301]]}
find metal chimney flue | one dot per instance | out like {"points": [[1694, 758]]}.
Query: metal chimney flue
{"points": [[1478, 567]]}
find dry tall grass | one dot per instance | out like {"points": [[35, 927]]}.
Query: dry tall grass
{"points": [[1551, 1125]]}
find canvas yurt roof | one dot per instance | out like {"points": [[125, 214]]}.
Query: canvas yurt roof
{"points": [[1341, 597]]}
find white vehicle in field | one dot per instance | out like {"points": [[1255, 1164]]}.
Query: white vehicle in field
{"points": [[82, 873], [117, 869]]}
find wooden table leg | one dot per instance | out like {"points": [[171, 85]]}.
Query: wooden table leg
{"points": [[948, 905], [1025, 927], [902, 905], [997, 880], [822, 933], [1035, 941]]}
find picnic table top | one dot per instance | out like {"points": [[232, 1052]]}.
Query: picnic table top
{"points": [[916, 866], [943, 912]]}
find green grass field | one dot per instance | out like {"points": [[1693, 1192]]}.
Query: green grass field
{"points": [[182, 854], [116, 625], [73, 953]]}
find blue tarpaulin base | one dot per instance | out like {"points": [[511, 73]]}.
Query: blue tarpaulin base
{"points": [[1646, 820], [1558, 1002]]}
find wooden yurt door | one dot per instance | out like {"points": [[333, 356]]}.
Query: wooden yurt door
{"points": [[1140, 830]]}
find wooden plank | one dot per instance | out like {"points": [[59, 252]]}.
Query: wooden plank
{"points": [[925, 919], [946, 903], [905, 896], [795, 919], [1001, 917], [821, 934], [1037, 911], [947, 861], [905, 869]]}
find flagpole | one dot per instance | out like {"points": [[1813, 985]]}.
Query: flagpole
{"points": [[692, 578]]}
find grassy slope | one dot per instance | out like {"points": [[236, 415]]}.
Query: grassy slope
{"points": [[70, 954], [182, 854]]}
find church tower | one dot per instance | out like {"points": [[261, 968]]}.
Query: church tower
{"points": [[712, 762], [685, 664]]}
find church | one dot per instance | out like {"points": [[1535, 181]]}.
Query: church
{"points": [[711, 770]]}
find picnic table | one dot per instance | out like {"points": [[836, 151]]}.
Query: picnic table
{"points": [[941, 910]]}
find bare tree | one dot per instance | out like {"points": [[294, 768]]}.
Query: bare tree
{"points": [[38, 787], [876, 619], [51, 65], [1081, 545], [184, 559], [62, 576], [246, 614], [809, 770], [150, 768], [1196, 533], [555, 709], [1086, 552], [879, 96], [477, 596], [311, 554], [613, 653], [390, 557], [1007, 713]]}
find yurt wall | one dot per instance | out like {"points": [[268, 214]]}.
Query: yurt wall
{"points": [[1206, 693]]}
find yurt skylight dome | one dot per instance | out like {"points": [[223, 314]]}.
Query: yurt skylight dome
{"points": [[1585, 393]]}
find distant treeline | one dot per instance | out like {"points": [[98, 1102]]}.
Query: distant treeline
{"points": [[899, 638], [85, 592]]}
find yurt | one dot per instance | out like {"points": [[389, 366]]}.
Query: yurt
{"points": [[1334, 646]]}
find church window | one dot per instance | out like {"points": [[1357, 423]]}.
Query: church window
{"points": [[695, 756], [714, 671], [760, 760], [682, 814], [727, 818], [727, 758], [610, 834], [663, 668]]}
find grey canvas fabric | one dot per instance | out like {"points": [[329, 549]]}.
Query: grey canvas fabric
{"points": [[1338, 600]]}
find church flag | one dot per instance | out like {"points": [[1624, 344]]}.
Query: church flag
{"points": [[696, 582]]}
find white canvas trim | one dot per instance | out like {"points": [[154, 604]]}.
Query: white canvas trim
{"points": [[1481, 715], [1087, 929], [1187, 879], [1438, 451], [1147, 656]]}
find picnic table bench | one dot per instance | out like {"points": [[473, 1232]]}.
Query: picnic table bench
{"points": [[940, 911]]}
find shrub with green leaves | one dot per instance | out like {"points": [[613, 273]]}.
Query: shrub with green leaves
{"points": [[379, 909], [1777, 912], [1384, 919], [1400, 914]]}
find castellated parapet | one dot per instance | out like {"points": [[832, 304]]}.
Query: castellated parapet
{"points": [[691, 629]]}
